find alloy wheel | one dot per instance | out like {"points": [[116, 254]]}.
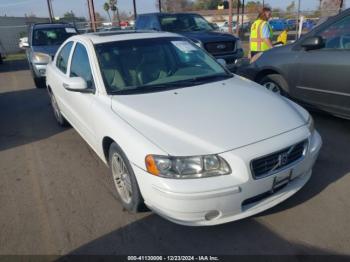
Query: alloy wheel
{"points": [[273, 87], [121, 178]]}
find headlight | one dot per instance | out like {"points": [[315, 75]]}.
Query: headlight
{"points": [[197, 43], [239, 44], [187, 167], [310, 124], [40, 58]]}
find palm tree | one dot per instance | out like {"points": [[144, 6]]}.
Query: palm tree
{"points": [[114, 8], [106, 8]]}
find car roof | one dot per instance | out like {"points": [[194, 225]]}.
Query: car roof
{"points": [[51, 25], [122, 35]]}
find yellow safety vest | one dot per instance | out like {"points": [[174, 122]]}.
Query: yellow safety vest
{"points": [[257, 43]]}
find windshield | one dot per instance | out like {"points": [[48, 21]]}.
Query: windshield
{"points": [[52, 36], [149, 65], [184, 23]]}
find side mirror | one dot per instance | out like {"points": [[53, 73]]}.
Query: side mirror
{"points": [[314, 42], [77, 84], [25, 44], [221, 62]]}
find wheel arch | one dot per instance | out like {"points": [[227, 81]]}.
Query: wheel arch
{"points": [[267, 71], [106, 144], [49, 89]]}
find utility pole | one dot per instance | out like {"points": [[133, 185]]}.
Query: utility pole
{"points": [[230, 16], [298, 21], [242, 13], [341, 6], [135, 12], [237, 25], [160, 5], [50, 10], [263, 3], [92, 14]]}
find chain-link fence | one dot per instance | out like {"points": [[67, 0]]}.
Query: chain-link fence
{"points": [[14, 30]]}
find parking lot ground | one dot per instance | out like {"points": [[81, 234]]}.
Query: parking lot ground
{"points": [[56, 196]]}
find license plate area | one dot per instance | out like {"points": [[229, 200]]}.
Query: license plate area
{"points": [[281, 180]]}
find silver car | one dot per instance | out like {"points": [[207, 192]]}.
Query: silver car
{"points": [[43, 42]]}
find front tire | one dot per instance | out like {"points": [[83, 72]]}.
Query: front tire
{"points": [[275, 83], [124, 180]]}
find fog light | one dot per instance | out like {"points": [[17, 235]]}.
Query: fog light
{"points": [[211, 215], [42, 71]]}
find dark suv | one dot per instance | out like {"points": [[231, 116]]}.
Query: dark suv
{"points": [[43, 42], [197, 29]]}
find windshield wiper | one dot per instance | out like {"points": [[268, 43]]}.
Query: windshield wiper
{"points": [[150, 88], [170, 85], [203, 79]]}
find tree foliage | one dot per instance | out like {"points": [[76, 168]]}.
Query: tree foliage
{"points": [[176, 5]]}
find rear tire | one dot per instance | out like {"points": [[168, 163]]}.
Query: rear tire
{"points": [[275, 83], [124, 180], [39, 82], [57, 112]]}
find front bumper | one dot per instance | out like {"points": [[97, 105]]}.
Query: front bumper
{"points": [[217, 200], [231, 59], [39, 70], [248, 70]]}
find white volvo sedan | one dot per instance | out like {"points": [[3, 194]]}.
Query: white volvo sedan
{"points": [[182, 135]]}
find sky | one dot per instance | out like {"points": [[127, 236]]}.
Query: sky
{"points": [[79, 7]]}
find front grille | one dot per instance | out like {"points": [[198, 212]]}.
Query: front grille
{"points": [[220, 47], [272, 163]]}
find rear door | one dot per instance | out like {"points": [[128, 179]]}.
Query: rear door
{"points": [[82, 104], [59, 76], [323, 77]]}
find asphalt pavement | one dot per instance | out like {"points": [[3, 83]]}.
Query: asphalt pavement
{"points": [[57, 197]]}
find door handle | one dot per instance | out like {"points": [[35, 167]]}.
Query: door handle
{"points": [[66, 86]]}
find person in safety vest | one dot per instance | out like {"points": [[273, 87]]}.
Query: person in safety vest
{"points": [[261, 33]]}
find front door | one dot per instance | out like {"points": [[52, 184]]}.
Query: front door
{"points": [[323, 77]]}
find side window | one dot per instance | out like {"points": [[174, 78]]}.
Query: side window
{"points": [[153, 22], [140, 24], [80, 65], [63, 56], [337, 35]]}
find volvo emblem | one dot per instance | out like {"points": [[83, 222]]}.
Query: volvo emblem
{"points": [[283, 159]]}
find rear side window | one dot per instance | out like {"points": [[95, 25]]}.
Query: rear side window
{"points": [[147, 22], [63, 56], [80, 65], [141, 22]]}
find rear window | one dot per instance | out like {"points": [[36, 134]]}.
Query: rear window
{"points": [[52, 36]]}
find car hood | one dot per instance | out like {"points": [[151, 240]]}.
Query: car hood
{"points": [[208, 36], [210, 118], [50, 50]]}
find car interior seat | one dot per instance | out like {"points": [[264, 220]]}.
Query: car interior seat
{"points": [[110, 68], [153, 66]]}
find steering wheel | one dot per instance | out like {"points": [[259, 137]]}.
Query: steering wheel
{"points": [[193, 27]]}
